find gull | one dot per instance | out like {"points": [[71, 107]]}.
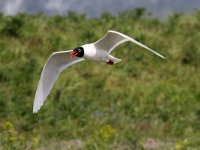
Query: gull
{"points": [[97, 51]]}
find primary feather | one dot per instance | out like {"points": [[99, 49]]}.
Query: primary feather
{"points": [[113, 38], [54, 65]]}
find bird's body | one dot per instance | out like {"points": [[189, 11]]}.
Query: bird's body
{"points": [[94, 54], [98, 51], [91, 53]]}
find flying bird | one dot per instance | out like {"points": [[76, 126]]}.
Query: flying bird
{"points": [[97, 51]]}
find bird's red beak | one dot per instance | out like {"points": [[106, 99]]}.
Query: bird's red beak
{"points": [[73, 54]]}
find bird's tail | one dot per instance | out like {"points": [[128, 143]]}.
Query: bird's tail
{"points": [[114, 59]]}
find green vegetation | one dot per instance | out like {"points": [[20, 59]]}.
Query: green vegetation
{"points": [[140, 103]]}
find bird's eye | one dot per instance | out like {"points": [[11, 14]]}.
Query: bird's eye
{"points": [[79, 50]]}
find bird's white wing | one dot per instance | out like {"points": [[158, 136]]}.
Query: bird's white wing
{"points": [[113, 38], [109, 41], [54, 65]]}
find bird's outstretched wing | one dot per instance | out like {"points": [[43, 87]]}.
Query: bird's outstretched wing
{"points": [[54, 65], [113, 38]]}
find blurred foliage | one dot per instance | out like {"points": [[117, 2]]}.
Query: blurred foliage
{"points": [[94, 105]]}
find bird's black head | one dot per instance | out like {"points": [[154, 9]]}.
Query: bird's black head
{"points": [[78, 52]]}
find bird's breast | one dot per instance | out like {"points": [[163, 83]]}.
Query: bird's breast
{"points": [[91, 53]]}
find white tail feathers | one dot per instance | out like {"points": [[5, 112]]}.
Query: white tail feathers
{"points": [[114, 59]]}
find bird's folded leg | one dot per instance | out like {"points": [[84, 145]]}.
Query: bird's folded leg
{"points": [[110, 62]]}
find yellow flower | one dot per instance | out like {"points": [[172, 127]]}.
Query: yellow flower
{"points": [[181, 144], [105, 133], [8, 125], [35, 141], [11, 139]]}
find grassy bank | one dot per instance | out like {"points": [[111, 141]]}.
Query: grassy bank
{"points": [[141, 102]]}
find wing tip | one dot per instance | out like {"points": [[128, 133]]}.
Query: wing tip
{"points": [[163, 57], [34, 112], [36, 108]]}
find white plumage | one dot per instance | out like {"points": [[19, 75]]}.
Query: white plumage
{"points": [[98, 51]]}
